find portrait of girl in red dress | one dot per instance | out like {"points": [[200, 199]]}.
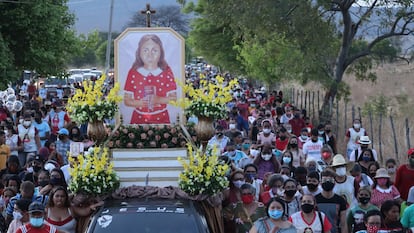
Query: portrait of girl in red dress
{"points": [[150, 83]]}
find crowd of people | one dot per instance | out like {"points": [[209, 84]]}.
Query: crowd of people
{"points": [[34, 165], [289, 176]]}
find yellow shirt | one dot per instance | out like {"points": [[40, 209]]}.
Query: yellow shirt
{"points": [[4, 155]]}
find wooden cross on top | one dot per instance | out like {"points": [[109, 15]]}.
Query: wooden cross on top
{"points": [[148, 12]]}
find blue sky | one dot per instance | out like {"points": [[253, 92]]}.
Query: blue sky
{"points": [[94, 14]]}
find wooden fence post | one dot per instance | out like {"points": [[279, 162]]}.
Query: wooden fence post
{"points": [[394, 136], [306, 100], [371, 128], [359, 115], [313, 104], [345, 115], [407, 133], [337, 117], [309, 104], [379, 137], [319, 106], [353, 113], [297, 98], [301, 99]]}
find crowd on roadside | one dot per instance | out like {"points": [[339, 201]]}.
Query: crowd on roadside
{"points": [[289, 176], [34, 165]]}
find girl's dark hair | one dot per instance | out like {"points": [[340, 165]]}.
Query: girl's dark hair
{"points": [[52, 193], [391, 160], [387, 205], [276, 199], [15, 178], [372, 213], [250, 165], [23, 204], [362, 153]]}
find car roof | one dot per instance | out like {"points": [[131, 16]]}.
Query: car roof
{"points": [[136, 202]]}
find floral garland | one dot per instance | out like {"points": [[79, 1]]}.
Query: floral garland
{"points": [[203, 173], [209, 99], [91, 104], [93, 173], [149, 136]]}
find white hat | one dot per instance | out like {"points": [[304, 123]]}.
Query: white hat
{"points": [[339, 160], [410, 197], [364, 140], [381, 173]]}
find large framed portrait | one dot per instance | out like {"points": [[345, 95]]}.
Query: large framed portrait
{"points": [[149, 62]]}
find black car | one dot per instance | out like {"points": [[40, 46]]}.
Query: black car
{"points": [[149, 216]]}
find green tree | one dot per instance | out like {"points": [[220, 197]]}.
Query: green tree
{"points": [[36, 35]]}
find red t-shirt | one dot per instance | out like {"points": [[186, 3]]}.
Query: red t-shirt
{"points": [[404, 180], [46, 228], [281, 145], [244, 110]]}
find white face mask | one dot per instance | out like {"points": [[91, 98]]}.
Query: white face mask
{"points": [[254, 152], [27, 123], [266, 157], [17, 215], [289, 131], [341, 171], [266, 131], [21, 121], [304, 137], [232, 126], [357, 126]]}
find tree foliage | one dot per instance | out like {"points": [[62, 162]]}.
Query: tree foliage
{"points": [[35, 35], [301, 39]]}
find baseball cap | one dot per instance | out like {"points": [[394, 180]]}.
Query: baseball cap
{"points": [[63, 131], [36, 207]]}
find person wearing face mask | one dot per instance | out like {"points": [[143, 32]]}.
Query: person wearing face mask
{"points": [[291, 196], [26, 192], [12, 140], [365, 159], [372, 222], [33, 166], [42, 127], [327, 156], [363, 144], [298, 158], [238, 158], [383, 190], [391, 166], [232, 195], [57, 178], [58, 119], [363, 179], [297, 123], [275, 221], [282, 140], [29, 140], [20, 215], [232, 129], [245, 146], [266, 136], [219, 140], [275, 184], [37, 222], [310, 219], [63, 144], [330, 203], [266, 162], [312, 148], [303, 137], [250, 172], [285, 118], [345, 185], [355, 218], [287, 160], [404, 176], [245, 212], [312, 184], [352, 136]]}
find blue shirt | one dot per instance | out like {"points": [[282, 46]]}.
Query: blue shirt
{"points": [[10, 207], [42, 129]]}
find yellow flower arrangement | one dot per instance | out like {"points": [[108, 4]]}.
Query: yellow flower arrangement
{"points": [[93, 173], [92, 104], [203, 173], [209, 99]]}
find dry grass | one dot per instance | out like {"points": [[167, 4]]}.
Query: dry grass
{"points": [[395, 82]]}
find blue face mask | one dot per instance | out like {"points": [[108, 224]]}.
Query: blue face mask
{"points": [[36, 222], [246, 146], [286, 159], [275, 214]]}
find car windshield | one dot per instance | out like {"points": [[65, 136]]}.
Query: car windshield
{"points": [[146, 222]]}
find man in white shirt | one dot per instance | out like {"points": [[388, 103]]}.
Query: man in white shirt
{"points": [[312, 148]]}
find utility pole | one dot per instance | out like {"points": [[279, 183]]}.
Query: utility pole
{"points": [[148, 12], [109, 40]]}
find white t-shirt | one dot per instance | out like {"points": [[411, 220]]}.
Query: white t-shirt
{"points": [[346, 189], [353, 158], [313, 149], [315, 226], [307, 192]]}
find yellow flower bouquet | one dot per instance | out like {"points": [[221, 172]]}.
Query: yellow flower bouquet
{"points": [[93, 173], [209, 99], [203, 174], [92, 104]]}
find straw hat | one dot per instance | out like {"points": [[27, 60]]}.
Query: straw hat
{"points": [[382, 173], [364, 140], [339, 160]]}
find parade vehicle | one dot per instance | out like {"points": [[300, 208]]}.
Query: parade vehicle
{"points": [[137, 215]]}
